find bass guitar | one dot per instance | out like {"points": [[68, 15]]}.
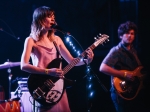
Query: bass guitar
{"points": [[48, 90], [129, 89]]}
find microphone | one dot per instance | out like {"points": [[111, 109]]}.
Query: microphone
{"points": [[58, 28]]}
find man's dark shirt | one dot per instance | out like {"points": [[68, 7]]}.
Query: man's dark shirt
{"points": [[122, 59]]}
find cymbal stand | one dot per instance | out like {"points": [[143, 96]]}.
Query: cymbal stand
{"points": [[9, 78]]}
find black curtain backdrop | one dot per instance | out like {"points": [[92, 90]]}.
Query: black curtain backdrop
{"points": [[84, 19]]}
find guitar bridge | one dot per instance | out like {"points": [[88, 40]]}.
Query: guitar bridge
{"points": [[38, 93]]}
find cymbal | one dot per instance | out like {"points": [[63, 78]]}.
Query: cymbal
{"points": [[9, 64]]}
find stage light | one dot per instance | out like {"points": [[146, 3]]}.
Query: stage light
{"points": [[67, 38], [89, 78], [90, 85], [88, 69], [91, 94], [78, 52], [70, 42]]}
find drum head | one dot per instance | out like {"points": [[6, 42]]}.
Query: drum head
{"points": [[11, 105]]}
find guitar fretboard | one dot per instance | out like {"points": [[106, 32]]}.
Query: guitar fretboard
{"points": [[77, 60]]}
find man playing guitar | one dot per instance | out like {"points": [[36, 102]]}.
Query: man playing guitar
{"points": [[125, 69]]}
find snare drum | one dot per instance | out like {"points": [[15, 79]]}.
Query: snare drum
{"points": [[12, 105]]}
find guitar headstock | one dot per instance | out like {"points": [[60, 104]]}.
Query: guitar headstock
{"points": [[100, 39]]}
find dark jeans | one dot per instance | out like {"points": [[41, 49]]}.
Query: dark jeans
{"points": [[139, 104], [117, 101]]}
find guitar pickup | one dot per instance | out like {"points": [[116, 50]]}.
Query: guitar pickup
{"points": [[123, 85], [48, 83]]}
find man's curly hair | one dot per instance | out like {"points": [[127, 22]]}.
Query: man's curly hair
{"points": [[126, 27]]}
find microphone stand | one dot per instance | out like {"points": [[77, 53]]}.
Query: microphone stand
{"points": [[98, 80], [89, 74], [88, 81], [10, 34], [9, 77]]}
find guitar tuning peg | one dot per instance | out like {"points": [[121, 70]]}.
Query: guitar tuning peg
{"points": [[95, 38]]}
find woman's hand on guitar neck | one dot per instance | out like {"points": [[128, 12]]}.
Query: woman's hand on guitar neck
{"points": [[90, 55]]}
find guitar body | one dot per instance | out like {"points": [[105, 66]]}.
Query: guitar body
{"points": [[129, 89], [45, 89]]}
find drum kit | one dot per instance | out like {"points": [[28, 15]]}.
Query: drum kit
{"points": [[9, 64], [10, 105]]}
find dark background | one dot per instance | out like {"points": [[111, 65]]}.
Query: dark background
{"points": [[84, 19]]}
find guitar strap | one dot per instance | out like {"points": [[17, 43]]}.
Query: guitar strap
{"points": [[131, 52], [58, 51], [137, 59]]}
